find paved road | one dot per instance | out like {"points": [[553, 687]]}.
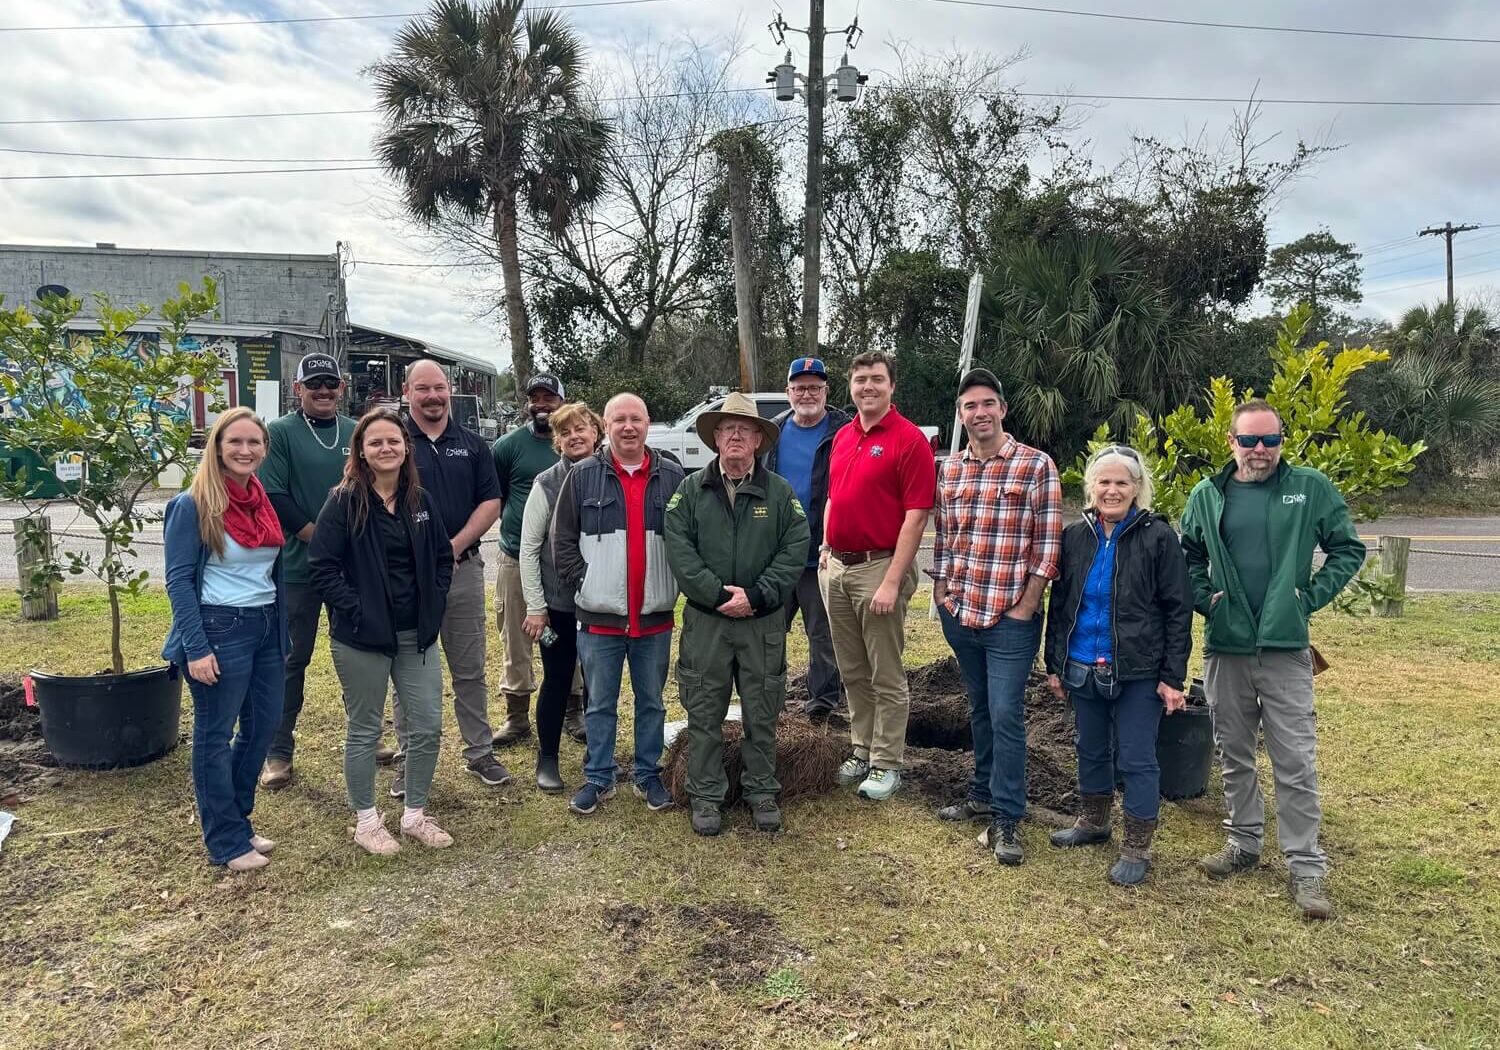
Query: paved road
{"points": [[1467, 569]]}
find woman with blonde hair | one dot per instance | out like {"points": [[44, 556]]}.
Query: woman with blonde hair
{"points": [[223, 554], [551, 619], [380, 557], [1119, 630]]}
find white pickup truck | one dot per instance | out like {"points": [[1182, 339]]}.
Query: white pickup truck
{"points": [[681, 438]]}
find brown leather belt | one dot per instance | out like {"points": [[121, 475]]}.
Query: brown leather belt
{"points": [[860, 557]]}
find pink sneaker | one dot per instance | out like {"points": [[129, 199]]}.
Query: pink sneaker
{"points": [[377, 841], [427, 832]]}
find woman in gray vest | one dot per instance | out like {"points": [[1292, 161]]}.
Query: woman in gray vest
{"points": [[550, 615]]}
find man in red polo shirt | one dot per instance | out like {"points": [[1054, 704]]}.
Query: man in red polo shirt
{"points": [[881, 480]]}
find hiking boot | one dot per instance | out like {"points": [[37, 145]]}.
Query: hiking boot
{"points": [[377, 840], [489, 770], [276, 774], [398, 783], [573, 719], [1091, 826], [1135, 852], [548, 778], [426, 831], [1311, 894], [706, 818], [385, 756], [655, 793], [1231, 860], [853, 771], [517, 724], [588, 798], [966, 810], [1005, 843], [880, 785], [767, 814]]}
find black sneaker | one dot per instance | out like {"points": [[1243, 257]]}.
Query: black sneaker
{"points": [[966, 810], [767, 814], [655, 793], [398, 783], [587, 800], [1006, 843], [489, 770]]}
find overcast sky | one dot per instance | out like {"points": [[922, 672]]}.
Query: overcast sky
{"points": [[1401, 169]]}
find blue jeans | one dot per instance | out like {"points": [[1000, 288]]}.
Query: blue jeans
{"points": [[603, 657], [1131, 718], [252, 681], [994, 662]]}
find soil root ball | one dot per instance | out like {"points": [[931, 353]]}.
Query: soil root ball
{"points": [[807, 757]]}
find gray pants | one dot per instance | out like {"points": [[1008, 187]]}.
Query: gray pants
{"points": [[1270, 692], [365, 676], [823, 684], [463, 636]]}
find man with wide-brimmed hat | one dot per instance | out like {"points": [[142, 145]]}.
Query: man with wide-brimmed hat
{"points": [[737, 542]]}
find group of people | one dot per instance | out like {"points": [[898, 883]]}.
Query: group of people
{"points": [[816, 512]]}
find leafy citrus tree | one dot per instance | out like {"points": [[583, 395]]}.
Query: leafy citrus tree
{"points": [[124, 413], [1310, 390]]}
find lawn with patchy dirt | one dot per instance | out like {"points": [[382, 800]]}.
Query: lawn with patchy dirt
{"points": [[859, 926]]}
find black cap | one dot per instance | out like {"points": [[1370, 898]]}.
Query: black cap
{"points": [[544, 381], [314, 365], [981, 377]]}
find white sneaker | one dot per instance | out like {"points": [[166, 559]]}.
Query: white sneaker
{"points": [[880, 785], [852, 772]]}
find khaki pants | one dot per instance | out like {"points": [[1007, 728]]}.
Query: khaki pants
{"points": [[510, 613], [868, 649]]}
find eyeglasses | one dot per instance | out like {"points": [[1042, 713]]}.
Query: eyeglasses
{"points": [[321, 383], [808, 390], [1116, 450], [1251, 440], [738, 429]]}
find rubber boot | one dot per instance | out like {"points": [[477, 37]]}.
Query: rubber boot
{"points": [[548, 778], [1135, 852], [517, 724], [1092, 824], [573, 719]]}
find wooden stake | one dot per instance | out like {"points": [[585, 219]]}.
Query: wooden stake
{"points": [[34, 548], [1394, 551]]}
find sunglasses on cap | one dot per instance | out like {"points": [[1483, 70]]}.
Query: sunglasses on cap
{"points": [[1116, 450], [321, 383], [1251, 440]]}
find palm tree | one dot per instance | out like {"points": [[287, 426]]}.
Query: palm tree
{"points": [[1466, 335], [1084, 336], [484, 113]]}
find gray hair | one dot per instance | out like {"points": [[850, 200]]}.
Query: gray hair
{"points": [[1134, 465]]}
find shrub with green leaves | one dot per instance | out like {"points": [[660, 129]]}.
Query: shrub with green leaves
{"points": [[122, 412], [1310, 390]]}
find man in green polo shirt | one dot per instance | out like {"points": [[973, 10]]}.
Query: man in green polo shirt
{"points": [[1249, 533], [519, 457], [308, 451]]}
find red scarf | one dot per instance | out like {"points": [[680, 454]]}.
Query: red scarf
{"points": [[250, 518]]}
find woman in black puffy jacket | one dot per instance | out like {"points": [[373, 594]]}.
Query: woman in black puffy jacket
{"points": [[1119, 630]]}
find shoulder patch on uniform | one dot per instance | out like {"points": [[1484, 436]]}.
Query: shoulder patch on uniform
{"points": [[676, 499], [797, 507]]}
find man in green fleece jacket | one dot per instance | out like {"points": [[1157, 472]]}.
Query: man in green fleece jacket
{"points": [[737, 542], [1249, 533]]}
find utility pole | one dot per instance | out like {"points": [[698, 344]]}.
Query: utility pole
{"points": [[846, 80], [742, 239], [1448, 230]]}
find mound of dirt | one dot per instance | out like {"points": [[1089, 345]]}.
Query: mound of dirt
{"points": [[24, 758], [807, 757]]}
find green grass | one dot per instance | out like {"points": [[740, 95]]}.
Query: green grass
{"points": [[625, 930]]}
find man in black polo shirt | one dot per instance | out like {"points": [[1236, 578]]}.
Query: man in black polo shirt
{"points": [[456, 467]]}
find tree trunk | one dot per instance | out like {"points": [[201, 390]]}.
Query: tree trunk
{"points": [[742, 240], [515, 302], [116, 656]]}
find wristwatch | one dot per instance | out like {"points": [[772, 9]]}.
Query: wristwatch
{"points": [[825, 547]]}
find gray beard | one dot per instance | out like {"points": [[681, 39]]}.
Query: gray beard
{"points": [[1254, 475]]}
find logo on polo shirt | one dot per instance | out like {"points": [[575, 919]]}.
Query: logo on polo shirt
{"points": [[455, 450], [420, 516], [1293, 497], [877, 451]]}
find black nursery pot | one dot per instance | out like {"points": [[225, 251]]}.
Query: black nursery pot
{"points": [[1185, 747], [109, 721]]}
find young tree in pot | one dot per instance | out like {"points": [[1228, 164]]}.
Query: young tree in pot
{"points": [[125, 415]]}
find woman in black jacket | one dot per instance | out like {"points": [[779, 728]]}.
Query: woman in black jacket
{"points": [[1119, 630], [381, 559]]}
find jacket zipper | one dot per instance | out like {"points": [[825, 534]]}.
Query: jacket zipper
{"points": [[1068, 644]]}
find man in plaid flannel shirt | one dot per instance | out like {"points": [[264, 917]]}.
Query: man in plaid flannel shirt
{"points": [[999, 540]]}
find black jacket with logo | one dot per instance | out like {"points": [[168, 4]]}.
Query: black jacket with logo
{"points": [[1151, 601], [348, 569]]}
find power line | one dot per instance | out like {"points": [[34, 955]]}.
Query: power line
{"points": [[294, 21], [1034, 9], [1435, 280], [206, 160], [178, 174]]}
